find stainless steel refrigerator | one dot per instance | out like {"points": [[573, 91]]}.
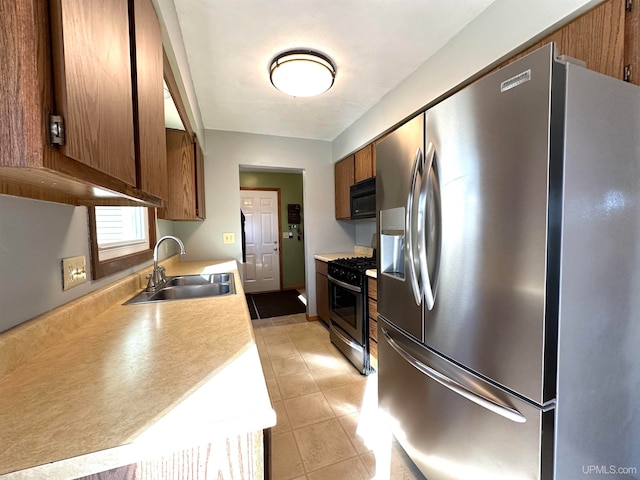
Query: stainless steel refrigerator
{"points": [[509, 277]]}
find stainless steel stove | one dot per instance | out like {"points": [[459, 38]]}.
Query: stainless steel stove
{"points": [[348, 309]]}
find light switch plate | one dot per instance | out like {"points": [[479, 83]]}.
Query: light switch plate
{"points": [[229, 237], [74, 272]]}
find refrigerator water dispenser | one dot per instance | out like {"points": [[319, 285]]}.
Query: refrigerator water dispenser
{"points": [[392, 234]]}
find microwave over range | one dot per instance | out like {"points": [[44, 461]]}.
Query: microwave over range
{"points": [[363, 199]]}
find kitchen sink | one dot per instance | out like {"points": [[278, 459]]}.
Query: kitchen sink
{"points": [[188, 287], [191, 291], [198, 279]]}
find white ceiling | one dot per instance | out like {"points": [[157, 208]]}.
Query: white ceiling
{"points": [[374, 44]]}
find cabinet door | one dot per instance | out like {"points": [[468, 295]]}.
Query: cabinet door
{"points": [[322, 293], [199, 171], [597, 38], [364, 164], [344, 178], [632, 43], [181, 197], [92, 81], [151, 150]]}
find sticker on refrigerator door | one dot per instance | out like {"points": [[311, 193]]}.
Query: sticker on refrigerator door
{"points": [[513, 82]]}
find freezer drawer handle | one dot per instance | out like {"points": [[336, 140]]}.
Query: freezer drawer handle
{"points": [[507, 412]]}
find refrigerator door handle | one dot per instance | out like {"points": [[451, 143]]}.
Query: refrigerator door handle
{"points": [[427, 284], [418, 167], [503, 410]]}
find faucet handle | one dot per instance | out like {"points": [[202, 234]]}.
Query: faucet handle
{"points": [[150, 285]]}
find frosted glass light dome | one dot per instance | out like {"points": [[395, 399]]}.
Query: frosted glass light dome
{"points": [[302, 73]]}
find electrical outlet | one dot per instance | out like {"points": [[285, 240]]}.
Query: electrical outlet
{"points": [[74, 272], [229, 237]]}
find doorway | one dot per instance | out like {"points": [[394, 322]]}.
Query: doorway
{"points": [[261, 236], [289, 183]]}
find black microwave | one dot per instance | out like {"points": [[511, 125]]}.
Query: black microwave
{"points": [[363, 199]]}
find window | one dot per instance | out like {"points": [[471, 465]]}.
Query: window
{"points": [[121, 231], [121, 237]]}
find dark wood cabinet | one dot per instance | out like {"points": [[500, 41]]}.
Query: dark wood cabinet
{"points": [[632, 44], [364, 167], [93, 84], [201, 212], [151, 147], [79, 60], [322, 291], [597, 38], [185, 169], [344, 172], [352, 169]]}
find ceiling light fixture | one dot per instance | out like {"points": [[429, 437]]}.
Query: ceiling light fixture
{"points": [[302, 73]]}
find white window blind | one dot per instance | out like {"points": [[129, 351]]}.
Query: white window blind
{"points": [[121, 231]]}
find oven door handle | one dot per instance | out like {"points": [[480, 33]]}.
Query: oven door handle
{"points": [[345, 285]]}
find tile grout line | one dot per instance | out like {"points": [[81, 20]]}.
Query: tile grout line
{"points": [[335, 416]]}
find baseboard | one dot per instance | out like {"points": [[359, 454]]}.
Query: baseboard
{"points": [[294, 288], [315, 318]]}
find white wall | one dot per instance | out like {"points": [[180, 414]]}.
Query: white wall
{"points": [[503, 27], [225, 153], [34, 238]]}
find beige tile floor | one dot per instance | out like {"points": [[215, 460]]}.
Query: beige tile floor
{"points": [[328, 426]]}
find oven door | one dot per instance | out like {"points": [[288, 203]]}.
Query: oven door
{"points": [[346, 308]]}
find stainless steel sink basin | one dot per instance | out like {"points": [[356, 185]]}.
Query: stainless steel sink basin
{"points": [[189, 280], [188, 287], [192, 291]]}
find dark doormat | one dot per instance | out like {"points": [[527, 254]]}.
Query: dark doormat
{"points": [[274, 304]]}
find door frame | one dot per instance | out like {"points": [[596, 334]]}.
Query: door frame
{"points": [[268, 189]]}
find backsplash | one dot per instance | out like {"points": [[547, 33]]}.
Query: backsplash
{"points": [[365, 230], [34, 237]]}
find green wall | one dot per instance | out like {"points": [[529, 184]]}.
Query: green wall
{"points": [[290, 185]]}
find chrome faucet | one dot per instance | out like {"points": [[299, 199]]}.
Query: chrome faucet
{"points": [[158, 275]]}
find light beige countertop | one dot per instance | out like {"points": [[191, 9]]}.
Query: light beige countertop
{"points": [[129, 382], [358, 251], [373, 273]]}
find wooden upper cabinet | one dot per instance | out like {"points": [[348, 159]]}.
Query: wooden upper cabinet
{"points": [[352, 169], [97, 65], [201, 212], [364, 167], [151, 150], [373, 159], [185, 169], [344, 172], [596, 37], [632, 43], [93, 87]]}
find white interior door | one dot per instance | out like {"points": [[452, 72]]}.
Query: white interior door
{"points": [[262, 267]]}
